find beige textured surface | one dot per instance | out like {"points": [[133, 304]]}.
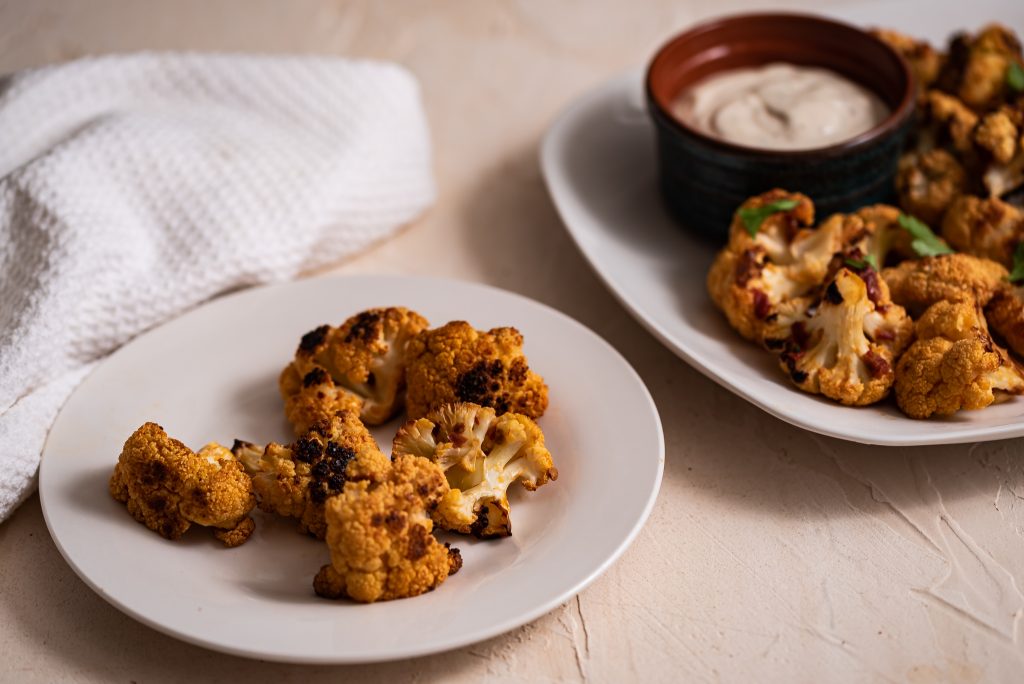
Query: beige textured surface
{"points": [[772, 554]]}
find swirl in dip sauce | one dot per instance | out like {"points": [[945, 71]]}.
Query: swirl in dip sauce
{"points": [[780, 106]]}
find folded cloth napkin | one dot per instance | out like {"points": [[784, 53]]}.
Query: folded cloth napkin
{"points": [[134, 187]]}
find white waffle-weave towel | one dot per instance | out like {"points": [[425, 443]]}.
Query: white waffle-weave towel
{"points": [[135, 187]]}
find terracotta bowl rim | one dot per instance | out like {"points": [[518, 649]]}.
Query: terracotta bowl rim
{"points": [[892, 123]]}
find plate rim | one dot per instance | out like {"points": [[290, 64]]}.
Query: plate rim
{"points": [[494, 630], [556, 180]]}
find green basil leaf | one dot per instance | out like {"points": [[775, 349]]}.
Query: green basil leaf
{"points": [[753, 217], [1015, 77], [1017, 274], [861, 264], [925, 242]]}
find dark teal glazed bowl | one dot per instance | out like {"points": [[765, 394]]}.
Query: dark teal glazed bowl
{"points": [[704, 179]]}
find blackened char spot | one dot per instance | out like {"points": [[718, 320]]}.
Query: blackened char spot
{"points": [[480, 524], [791, 359], [517, 370], [311, 340], [364, 328], [832, 294], [307, 449], [454, 559], [317, 493], [475, 384], [317, 376]]}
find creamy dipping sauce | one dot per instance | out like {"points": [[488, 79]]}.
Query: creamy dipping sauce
{"points": [[780, 106]]}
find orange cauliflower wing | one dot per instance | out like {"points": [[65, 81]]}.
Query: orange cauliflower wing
{"points": [[379, 536], [976, 68], [296, 480], [846, 347], [924, 60], [359, 365], [482, 455], [954, 364], [988, 228], [1001, 135], [878, 235], [928, 182], [917, 285], [1005, 315], [168, 487], [769, 263], [456, 363]]}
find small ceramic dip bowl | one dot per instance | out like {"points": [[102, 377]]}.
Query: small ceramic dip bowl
{"points": [[704, 179]]}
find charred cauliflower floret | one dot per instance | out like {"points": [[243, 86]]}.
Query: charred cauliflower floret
{"points": [[928, 182], [773, 256], [878, 236], [1005, 315], [917, 285], [456, 363], [954, 364], [168, 487], [314, 397], [482, 455], [296, 480], [948, 122], [924, 60], [1001, 135], [846, 348], [976, 69], [988, 228], [359, 365], [379, 536]]}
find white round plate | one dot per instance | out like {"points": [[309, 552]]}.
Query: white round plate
{"points": [[211, 375], [599, 163]]}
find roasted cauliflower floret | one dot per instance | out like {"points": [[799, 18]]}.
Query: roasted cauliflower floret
{"points": [[1001, 135], [988, 228], [296, 480], [379, 536], [168, 487], [999, 132], [954, 364], [771, 221], [947, 122], [751, 291], [928, 182], [1005, 315], [845, 350], [976, 69], [482, 455], [360, 364], [456, 363], [773, 256], [882, 236], [916, 285], [314, 397], [924, 60]]}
